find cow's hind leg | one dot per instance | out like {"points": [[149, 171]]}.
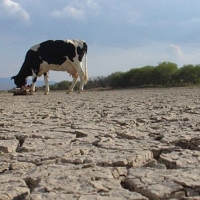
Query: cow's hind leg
{"points": [[82, 80], [46, 80], [75, 78], [81, 75]]}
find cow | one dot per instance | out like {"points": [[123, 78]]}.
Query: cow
{"points": [[57, 55]]}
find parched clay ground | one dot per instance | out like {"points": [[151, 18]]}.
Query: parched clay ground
{"points": [[140, 144]]}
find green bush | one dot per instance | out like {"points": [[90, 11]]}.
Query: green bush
{"points": [[164, 74]]}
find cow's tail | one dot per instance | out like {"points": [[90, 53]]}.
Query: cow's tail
{"points": [[86, 71]]}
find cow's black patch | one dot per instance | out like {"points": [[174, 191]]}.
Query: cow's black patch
{"points": [[35, 79], [55, 52], [81, 51], [31, 62], [19, 81]]}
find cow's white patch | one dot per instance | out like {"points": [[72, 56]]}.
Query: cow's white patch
{"points": [[35, 47], [66, 66], [33, 73]]}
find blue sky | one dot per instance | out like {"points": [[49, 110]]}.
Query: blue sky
{"points": [[120, 34]]}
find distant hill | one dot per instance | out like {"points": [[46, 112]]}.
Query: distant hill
{"points": [[7, 83]]}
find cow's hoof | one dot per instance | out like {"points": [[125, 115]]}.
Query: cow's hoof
{"points": [[69, 92], [46, 93], [79, 92]]}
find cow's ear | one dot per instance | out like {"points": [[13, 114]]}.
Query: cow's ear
{"points": [[13, 77]]}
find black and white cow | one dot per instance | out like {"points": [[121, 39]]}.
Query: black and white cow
{"points": [[57, 55]]}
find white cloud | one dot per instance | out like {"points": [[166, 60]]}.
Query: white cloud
{"points": [[133, 16], [77, 10], [70, 12], [15, 9], [177, 50], [91, 4]]}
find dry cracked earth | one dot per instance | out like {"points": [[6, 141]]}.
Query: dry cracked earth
{"points": [[140, 144]]}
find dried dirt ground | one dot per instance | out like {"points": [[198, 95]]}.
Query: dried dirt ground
{"points": [[135, 144]]}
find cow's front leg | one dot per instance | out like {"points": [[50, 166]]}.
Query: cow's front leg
{"points": [[33, 85], [46, 80], [34, 79], [75, 78]]}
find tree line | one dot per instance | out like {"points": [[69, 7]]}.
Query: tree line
{"points": [[164, 74]]}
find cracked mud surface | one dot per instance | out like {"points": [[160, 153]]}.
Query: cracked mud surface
{"points": [[140, 144]]}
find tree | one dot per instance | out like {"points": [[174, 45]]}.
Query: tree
{"points": [[116, 79], [187, 73], [96, 82], [164, 73], [146, 75], [197, 74]]}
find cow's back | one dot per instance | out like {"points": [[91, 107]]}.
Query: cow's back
{"points": [[55, 51]]}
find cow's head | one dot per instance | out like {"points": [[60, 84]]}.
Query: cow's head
{"points": [[19, 81]]}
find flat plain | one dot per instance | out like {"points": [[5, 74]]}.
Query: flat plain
{"points": [[136, 144]]}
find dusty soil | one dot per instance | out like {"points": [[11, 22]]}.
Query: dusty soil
{"points": [[131, 144]]}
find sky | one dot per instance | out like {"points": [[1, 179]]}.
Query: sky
{"points": [[120, 34]]}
